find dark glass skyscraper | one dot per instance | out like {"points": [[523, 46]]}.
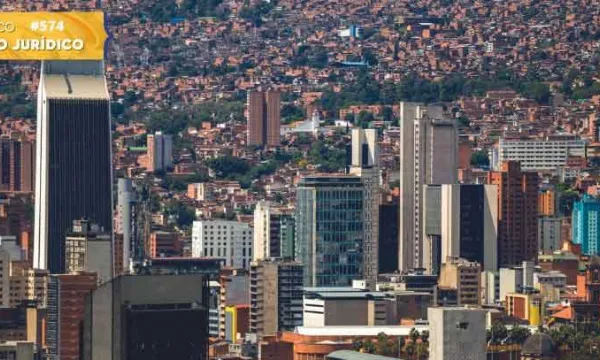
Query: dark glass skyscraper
{"points": [[330, 229], [73, 161]]}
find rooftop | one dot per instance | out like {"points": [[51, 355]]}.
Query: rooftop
{"points": [[354, 355], [75, 87], [394, 330]]}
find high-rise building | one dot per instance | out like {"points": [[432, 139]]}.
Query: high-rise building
{"points": [[66, 303], [264, 118], [165, 244], [275, 296], [464, 277], [365, 164], [432, 228], [329, 229], [125, 224], [547, 203], [287, 236], [15, 220], [230, 240], [388, 238], [17, 159], [160, 151], [586, 222], [548, 154], [4, 278], [73, 156], [428, 155], [268, 223], [549, 234], [27, 285], [457, 333], [87, 249], [147, 317], [469, 224], [517, 213]]}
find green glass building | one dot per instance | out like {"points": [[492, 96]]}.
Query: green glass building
{"points": [[329, 229]]}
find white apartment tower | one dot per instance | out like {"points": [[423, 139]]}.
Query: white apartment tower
{"points": [[262, 231], [428, 155], [365, 164]]}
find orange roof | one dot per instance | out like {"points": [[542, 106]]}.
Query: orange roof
{"points": [[566, 313]]}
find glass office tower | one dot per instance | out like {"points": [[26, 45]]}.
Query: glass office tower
{"points": [[329, 229]]}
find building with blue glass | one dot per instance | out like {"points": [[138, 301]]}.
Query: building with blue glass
{"points": [[330, 229], [586, 219]]}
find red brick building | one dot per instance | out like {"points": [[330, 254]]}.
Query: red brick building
{"points": [[66, 302], [518, 212]]}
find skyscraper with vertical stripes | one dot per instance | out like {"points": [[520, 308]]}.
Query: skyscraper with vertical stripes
{"points": [[73, 156]]}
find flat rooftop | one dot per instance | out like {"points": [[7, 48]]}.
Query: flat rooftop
{"points": [[87, 87]]}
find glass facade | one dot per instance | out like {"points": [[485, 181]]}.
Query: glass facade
{"points": [[329, 230], [79, 170], [586, 223]]}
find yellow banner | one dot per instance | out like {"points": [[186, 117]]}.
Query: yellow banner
{"points": [[52, 35]]}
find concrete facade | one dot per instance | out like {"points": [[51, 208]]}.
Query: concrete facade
{"points": [[428, 155], [177, 304], [457, 333], [365, 164]]}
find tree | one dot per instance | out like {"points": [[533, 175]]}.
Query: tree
{"points": [[185, 216], [364, 119], [290, 112], [228, 166], [497, 333], [369, 347], [519, 334], [387, 113], [414, 335], [480, 159]]}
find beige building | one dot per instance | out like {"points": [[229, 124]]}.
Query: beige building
{"points": [[27, 284], [160, 151], [17, 350], [346, 306], [88, 250], [465, 277], [275, 296], [200, 191]]}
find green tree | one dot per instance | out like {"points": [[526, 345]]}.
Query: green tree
{"points": [[497, 333], [369, 347], [518, 334], [387, 113], [480, 159], [228, 166], [414, 335]]}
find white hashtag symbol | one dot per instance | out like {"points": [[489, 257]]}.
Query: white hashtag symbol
{"points": [[34, 26]]}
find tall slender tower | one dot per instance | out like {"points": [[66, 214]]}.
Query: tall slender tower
{"points": [[126, 201], [365, 163], [428, 155], [73, 156]]}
